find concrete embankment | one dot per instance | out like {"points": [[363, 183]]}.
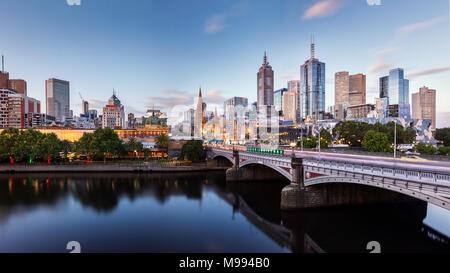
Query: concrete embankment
{"points": [[150, 168]]}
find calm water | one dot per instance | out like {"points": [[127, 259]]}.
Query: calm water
{"points": [[196, 213]]}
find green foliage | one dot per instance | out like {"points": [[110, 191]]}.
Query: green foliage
{"points": [[193, 150], [353, 133], [308, 143], [443, 135], [162, 141], [325, 135], [444, 150], [133, 146], [102, 143], [425, 149], [376, 142], [26, 144]]}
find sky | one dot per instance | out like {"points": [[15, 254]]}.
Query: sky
{"points": [[158, 53]]}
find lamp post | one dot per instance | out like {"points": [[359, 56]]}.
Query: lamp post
{"points": [[301, 136], [395, 139]]}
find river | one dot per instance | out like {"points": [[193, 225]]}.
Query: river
{"points": [[197, 212]]}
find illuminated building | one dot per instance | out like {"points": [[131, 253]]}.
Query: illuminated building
{"points": [[113, 114]]}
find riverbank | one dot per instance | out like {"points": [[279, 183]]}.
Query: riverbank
{"points": [[108, 168]]}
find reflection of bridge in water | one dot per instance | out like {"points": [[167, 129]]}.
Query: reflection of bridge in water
{"points": [[280, 234]]}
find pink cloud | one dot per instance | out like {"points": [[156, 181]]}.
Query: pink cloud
{"points": [[322, 9]]}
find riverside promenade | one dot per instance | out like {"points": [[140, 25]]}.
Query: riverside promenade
{"points": [[108, 167]]}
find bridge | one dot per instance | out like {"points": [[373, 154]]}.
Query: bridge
{"points": [[322, 179]]}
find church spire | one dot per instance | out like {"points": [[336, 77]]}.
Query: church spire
{"points": [[200, 92]]}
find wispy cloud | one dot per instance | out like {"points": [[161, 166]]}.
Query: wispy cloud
{"points": [[428, 72], [378, 67], [214, 96], [170, 98], [218, 22], [405, 31], [323, 9]]}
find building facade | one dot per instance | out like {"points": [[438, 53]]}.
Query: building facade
{"points": [[424, 105], [113, 114], [295, 86], [350, 90], [359, 111], [396, 88], [57, 94], [265, 83], [18, 106], [289, 109], [278, 99], [312, 78]]}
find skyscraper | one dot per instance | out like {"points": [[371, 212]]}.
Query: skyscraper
{"points": [[396, 88], [350, 90], [113, 113], [265, 84], [341, 94], [289, 103], [424, 105], [278, 99], [57, 93], [312, 78], [199, 116], [295, 86]]}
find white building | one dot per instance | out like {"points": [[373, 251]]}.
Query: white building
{"points": [[113, 114]]}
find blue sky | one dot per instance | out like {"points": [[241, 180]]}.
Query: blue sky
{"points": [[160, 52]]}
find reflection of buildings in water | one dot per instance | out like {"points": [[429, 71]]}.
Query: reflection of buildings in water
{"points": [[101, 192]]}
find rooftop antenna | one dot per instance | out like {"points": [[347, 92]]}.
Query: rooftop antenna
{"points": [[313, 47], [3, 64], [265, 57]]}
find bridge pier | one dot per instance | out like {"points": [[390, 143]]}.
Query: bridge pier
{"points": [[296, 195]]}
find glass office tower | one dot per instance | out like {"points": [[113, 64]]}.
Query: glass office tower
{"points": [[396, 88], [312, 78]]}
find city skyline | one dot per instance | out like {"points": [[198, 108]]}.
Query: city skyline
{"points": [[146, 79]]}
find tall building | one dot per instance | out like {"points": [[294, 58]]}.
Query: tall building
{"points": [[4, 106], [113, 113], [424, 105], [85, 108], [295, 86], [312, 78], [341, 93], [350, 90], [57, 93], [278, 99], [20, 86], [396, 88], [289, 103], [19, 106], [235, 111], [265, 84], [199, 116]]}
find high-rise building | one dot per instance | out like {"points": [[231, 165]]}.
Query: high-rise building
{"points": [[20, 86], [278, 99], [424, 105], [265, 84], [4, 108], [57, 93], [357, 89], [113, 113], [350, 90], [18, 106], [295, 86], [312, 78], [235, 111], [199, 116], [289, 103], [85, 108], [396, 88], [341, 93]]}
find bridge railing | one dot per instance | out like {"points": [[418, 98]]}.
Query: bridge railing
{"points": [[418, 176]]}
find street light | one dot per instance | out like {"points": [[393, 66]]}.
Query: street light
{"points": [[395, 139]]}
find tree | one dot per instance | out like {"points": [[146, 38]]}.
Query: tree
{"points": [[376, 142], [443, 135], [423, 148], [133, 146], [444, 150], [410, 135], [351, 132], [325, 135], [50, 147], [105, 142], [308, 143], [162, 141], [8, 140], [193, 150]]}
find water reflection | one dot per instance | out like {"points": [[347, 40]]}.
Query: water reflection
{"points": [[195, 213]]}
